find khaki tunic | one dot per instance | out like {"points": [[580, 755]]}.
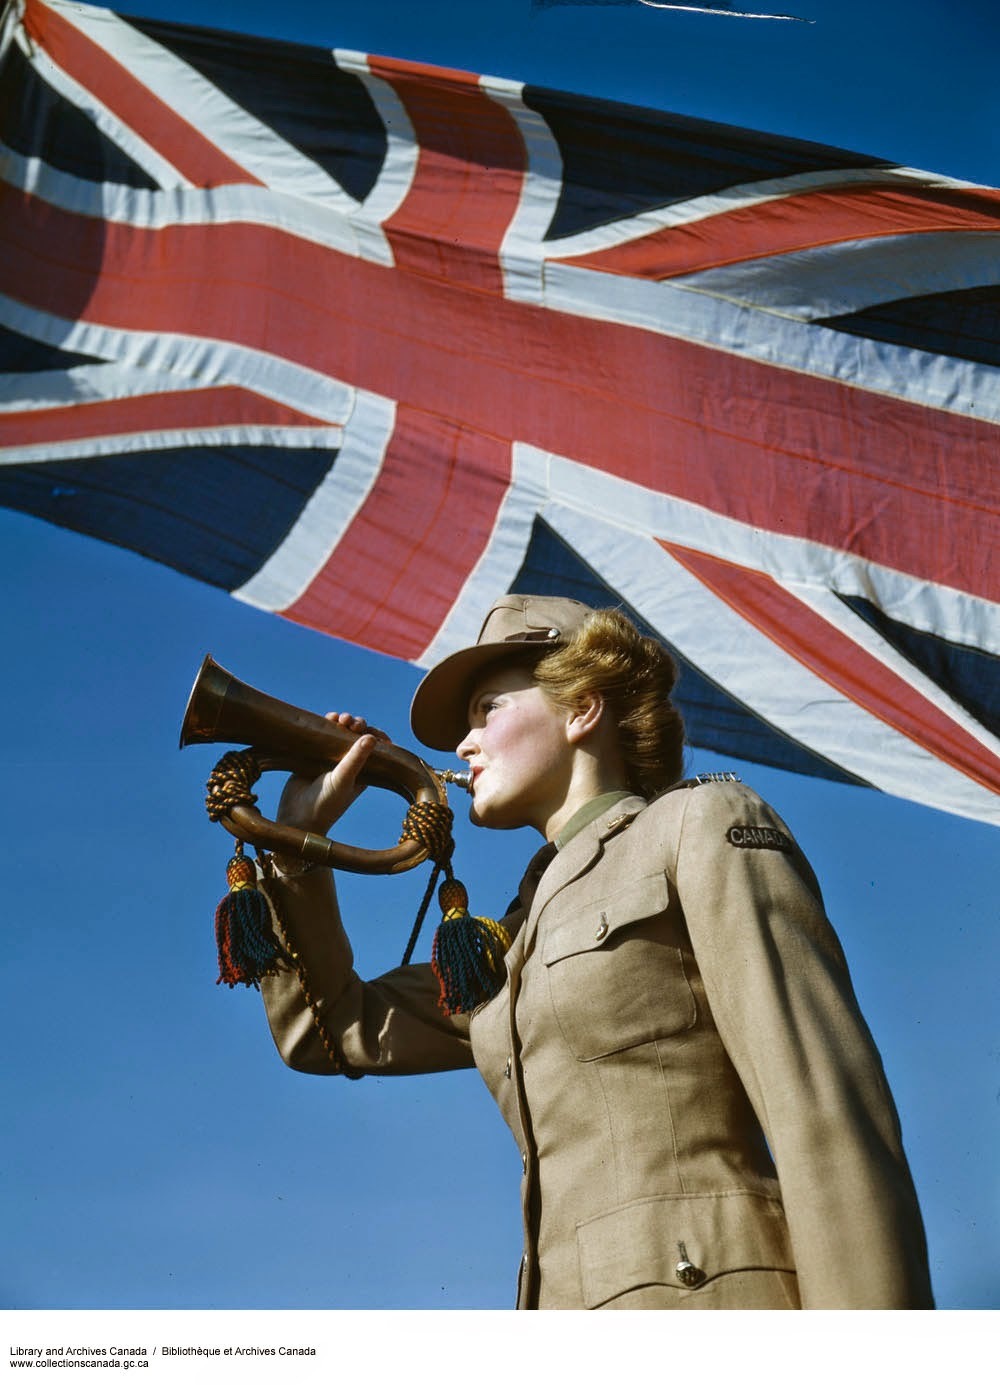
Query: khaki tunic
{"points": [[703, 1117]]}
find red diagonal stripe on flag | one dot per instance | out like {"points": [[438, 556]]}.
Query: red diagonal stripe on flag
{"points": [[396, 573], [841, 663], [800, 221], [225, 406], [173, 137]]}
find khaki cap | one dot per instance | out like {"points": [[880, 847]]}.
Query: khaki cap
{"points": [[515, 625]]}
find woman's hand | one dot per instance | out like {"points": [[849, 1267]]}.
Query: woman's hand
{"points": [[314, 805]]}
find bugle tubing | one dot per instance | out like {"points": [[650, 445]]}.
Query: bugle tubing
{"points": [[281, 736]]}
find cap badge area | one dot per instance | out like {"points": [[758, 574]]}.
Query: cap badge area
{"points": [[524, 636]]}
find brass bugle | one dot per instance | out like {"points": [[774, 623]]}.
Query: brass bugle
{"points": [[281, 736]]}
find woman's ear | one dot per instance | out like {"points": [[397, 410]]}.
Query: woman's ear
{"points": [[584, 720]]}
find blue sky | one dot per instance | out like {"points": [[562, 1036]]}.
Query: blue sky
{"points": [[156, 1152]]}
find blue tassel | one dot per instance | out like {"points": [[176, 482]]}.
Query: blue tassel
{"points": [[247, 946], [467, 953]]}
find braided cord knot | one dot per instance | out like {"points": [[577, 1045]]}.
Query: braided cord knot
{"points": [[430, 825], [229, 783]]}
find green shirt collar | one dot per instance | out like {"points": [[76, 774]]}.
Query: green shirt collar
{"points": [[584, 816]]}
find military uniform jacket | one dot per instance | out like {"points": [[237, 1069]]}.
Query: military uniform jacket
{"points": [[703, 1117]]}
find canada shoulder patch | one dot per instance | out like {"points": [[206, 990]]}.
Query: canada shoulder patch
{"points": [[758, 838]]}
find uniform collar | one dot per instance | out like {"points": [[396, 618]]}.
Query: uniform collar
{"points": [[584, 816], [584, 848]]}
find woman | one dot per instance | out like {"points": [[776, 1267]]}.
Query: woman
{"points": [[703, 1117]]}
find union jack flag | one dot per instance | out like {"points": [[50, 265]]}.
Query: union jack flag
{"points": [[367, 343]]}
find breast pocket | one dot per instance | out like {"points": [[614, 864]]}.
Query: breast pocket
{"points": [[615, 969]]}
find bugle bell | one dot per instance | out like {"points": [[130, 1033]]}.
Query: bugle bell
{"points": [[281, 736]]}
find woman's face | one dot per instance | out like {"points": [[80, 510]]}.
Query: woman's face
{"points": [[518, 750]]}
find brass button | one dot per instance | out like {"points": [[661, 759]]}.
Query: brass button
{"points": [[508, 1066], [688, 1274]]}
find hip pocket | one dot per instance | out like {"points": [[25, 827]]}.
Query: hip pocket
{"points": [[710, 1244]]}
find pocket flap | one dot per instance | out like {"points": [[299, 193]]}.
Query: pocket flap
{"points": [[649, 1242], [599, 921]]}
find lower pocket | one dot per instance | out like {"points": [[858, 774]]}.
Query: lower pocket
{"points": [[687, 1243], [749, 1289]]}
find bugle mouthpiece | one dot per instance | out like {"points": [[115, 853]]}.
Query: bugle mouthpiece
{"points": [[461, 777]]}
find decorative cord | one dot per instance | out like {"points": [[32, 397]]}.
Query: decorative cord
{"points": [[430, 825], [329, 1046], [229, 783]]}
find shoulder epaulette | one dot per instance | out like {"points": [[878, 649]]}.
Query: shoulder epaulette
{"points": [[725, 776]]}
